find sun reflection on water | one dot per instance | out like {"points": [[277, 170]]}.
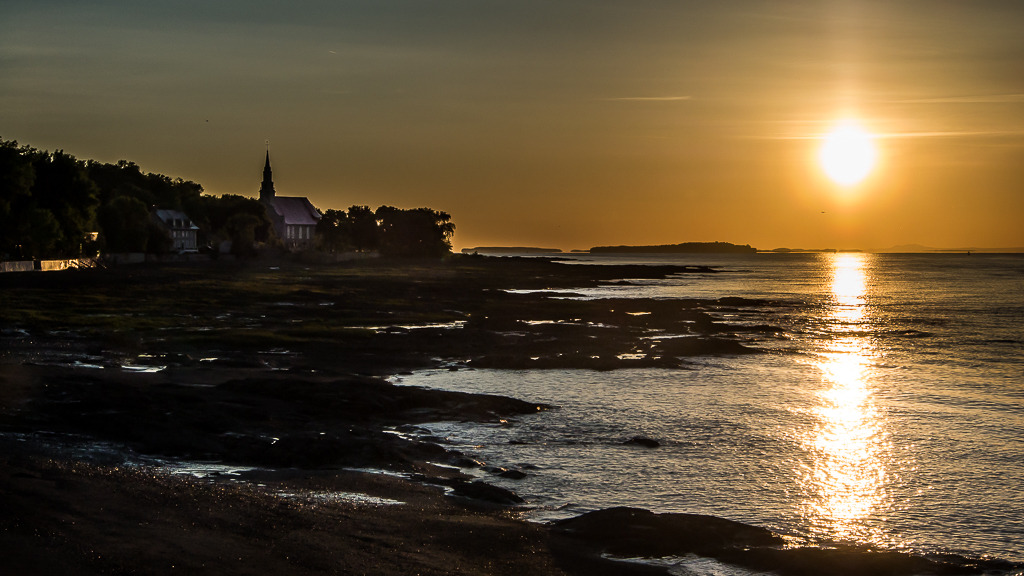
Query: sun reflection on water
{"points": [[844, 483]]}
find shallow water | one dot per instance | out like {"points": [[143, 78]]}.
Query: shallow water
{"points": [[889, 412]]}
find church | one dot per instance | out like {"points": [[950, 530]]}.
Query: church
{"points": [[294, 217]]}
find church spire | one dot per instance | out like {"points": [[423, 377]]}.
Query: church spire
{"points": [[267, 187]]}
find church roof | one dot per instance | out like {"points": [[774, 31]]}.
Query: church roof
{"points": [[295, 210]]}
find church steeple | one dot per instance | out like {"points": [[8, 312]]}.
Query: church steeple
{"points": [[267, 187]]}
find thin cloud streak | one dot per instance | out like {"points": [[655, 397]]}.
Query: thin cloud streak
{"points": [[990, 99], [896, 135], [650, 99], [954, 134]]}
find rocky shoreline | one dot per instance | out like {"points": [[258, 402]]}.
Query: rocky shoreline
{"points": [[277, 369], [275, 372]]}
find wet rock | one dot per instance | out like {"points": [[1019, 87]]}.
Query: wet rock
{"points": [[738, 301], [636, 532], [450, 482], [487, 493], [692, 346], [505, 472], [411, 429], [461, 461], [643, 441]]}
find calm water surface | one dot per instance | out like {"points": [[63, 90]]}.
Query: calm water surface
{"points": [[890, 411]]}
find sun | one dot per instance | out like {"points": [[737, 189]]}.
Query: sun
{"points": [[847, 154]]}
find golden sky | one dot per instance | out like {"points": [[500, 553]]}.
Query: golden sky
{"points": [[561, 124]]}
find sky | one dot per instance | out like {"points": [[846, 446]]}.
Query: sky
{"points": [[564, 124]]}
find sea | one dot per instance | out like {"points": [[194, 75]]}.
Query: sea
{"points": [[887, 411]]}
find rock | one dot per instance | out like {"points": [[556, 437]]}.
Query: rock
{"points": [[635, 532], [738, 301], [643, 441], [465, 462], [505, 472], [487, 493], [694, 346]]}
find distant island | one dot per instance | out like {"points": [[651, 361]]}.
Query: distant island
{"points": [[510, 250], [811, 250], [685, 247]]}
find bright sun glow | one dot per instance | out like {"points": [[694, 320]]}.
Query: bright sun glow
{"points": [[848, 154]]}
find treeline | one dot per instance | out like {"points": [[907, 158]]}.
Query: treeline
{"points": [[53, 205], [420, 232]]}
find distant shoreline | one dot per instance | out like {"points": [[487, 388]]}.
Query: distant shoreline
{"points": [[683, 248], [510, 250]]}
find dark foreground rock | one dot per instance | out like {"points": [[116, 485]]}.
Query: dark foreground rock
{"points": [[267, 420], [636, 532], [82, 519], [633, 532], [488, 493]]}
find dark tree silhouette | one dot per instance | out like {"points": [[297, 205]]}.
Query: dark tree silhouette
{"points": [[62, 186], [241, 229], [420, 232], [217, 211], [47, 203], [126, 225], [365, 233], [16, 178], [39, 234], [334, 232]]}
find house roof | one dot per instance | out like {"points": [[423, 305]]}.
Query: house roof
{"points": [[169, 216], [295, 210]]}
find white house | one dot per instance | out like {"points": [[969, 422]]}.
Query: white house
{"points": [[181, 230]]}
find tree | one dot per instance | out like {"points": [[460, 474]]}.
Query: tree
{"points": [[126, 179], [62, 186], [334, 231], [365, 233], [420, 232], [241, 228], [125, 224], [47, 203], [16, 178], [39, 234]]}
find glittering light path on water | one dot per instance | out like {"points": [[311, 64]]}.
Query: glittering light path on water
{"points": [[845, 484]]}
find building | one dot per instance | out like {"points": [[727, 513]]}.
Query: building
{"points": [[179, 228], [294, 217]]}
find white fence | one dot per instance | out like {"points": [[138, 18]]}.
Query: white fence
{"points": [[23, 266], [46, 265]]}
